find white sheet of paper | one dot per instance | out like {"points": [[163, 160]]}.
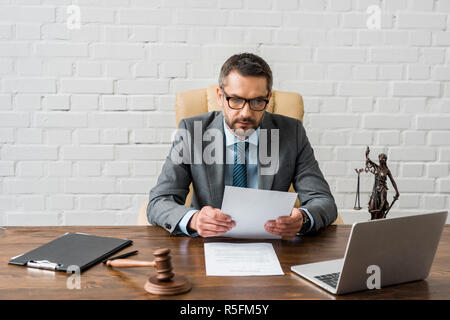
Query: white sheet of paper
{"points": [[241, 259], [252, 208]]}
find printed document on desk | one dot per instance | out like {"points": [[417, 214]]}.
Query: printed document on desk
{"points": [[252, 208], [241, 259]]}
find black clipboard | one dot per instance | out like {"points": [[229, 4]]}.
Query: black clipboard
{"points": [[71, 251]]}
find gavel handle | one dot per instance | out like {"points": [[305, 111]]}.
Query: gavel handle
{"points": [[128, 263]]}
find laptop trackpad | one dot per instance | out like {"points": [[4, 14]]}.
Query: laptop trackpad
{"points": [[319, 268]]}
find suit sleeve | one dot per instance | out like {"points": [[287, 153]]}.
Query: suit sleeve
{"points": [[313, 190], [166, 200]]}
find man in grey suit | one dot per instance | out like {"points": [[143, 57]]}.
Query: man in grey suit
{"points": [[242, 132]]}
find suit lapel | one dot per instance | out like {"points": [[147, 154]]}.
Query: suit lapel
{"points": [[265, 181], [215, 172]]}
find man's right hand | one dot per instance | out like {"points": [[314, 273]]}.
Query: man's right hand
{"points": [[210, 222]]}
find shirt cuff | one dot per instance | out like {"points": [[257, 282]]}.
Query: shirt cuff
{"points": [[310, 218], [184, 222]]}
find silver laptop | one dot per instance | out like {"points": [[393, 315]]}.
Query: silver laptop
{"points": [[388, 251]]}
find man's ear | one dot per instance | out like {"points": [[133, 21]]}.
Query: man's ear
{"points": [[219, 97]]}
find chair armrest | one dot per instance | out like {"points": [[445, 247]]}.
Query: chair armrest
{"points": [[142, 216]]}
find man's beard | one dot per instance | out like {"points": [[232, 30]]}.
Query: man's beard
{"points": [[240, 131]]}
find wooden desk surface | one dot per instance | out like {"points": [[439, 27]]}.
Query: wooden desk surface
{"points": [[101, 282]]}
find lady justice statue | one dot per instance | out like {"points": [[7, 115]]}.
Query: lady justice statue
{"points": [[378, 204]]}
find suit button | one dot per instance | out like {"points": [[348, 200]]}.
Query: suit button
{"points": [[168, 226]]}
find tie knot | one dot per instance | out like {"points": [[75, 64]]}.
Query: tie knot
{"points": [[241, 145]]}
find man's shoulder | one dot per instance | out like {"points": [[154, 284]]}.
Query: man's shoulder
{"points": [[280, 121]]}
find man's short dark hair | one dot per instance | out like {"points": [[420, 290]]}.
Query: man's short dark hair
{"points": [[247, 64]]}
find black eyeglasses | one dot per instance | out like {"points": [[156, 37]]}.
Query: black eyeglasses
{"points": [[237, 103]]}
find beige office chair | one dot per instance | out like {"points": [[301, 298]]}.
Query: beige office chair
{"points": [[193, 102]]}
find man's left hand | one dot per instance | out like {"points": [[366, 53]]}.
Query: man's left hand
{"points": [[286, 226]]}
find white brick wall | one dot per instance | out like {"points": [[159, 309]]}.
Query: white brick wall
{"points": [[86, 114]]}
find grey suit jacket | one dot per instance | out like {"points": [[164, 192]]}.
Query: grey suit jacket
{"points": [[296, 164]]}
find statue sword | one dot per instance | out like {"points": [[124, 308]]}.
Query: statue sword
{"points": [[393, 201]]}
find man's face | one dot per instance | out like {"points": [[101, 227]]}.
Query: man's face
{"points": [[245, 119]]}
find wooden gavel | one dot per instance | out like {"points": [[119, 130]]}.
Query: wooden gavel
{"points": [[165, 282], [162, 263]]}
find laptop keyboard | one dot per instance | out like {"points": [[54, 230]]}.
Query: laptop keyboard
{"points": [[330, 279]]}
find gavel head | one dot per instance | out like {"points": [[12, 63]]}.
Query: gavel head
{"points": [[165, 282], [163, 264]]}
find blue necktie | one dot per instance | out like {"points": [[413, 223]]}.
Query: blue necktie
{"points": [[239, 168]]}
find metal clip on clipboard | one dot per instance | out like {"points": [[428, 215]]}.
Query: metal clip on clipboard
{"points": [[43, 264]]}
